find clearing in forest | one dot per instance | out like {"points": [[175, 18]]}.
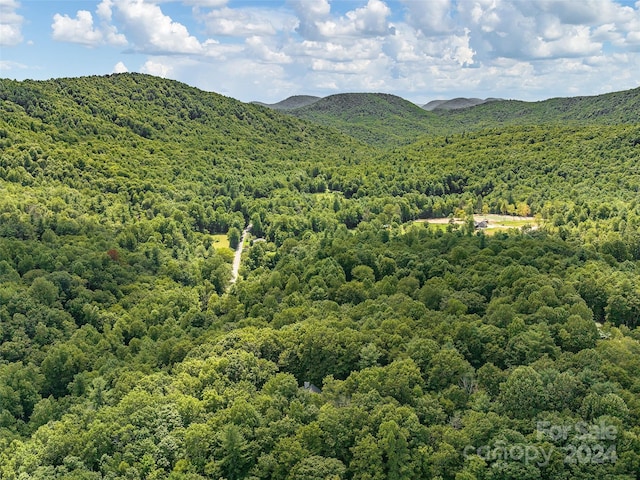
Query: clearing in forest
{"points": [[490, 223]]}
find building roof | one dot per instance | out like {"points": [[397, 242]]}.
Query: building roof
{"points": [[310, 387]]}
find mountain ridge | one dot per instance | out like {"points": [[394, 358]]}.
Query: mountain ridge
{"points": [[385, 119]]}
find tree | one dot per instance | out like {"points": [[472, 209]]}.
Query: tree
{"points": [[396, 456], [236, 457], [578, 334], [523, 394], [367, 460], [316, 467], [44, 291], [595, 405], [256, 222], [233, 235], [59, 367], [447, 367]]}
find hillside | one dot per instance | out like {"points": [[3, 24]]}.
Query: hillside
{"points": [[375, 118], [611, 108], [357, 342], [158, 131]]}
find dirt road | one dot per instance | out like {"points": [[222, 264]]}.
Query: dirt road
{"points": [[238, 256]]}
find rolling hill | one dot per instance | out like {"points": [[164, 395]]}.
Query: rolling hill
{"points": [[388, 120], [376, 118], [611, 108]]}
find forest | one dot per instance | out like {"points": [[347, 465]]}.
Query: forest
{"points": [[359, 342]]}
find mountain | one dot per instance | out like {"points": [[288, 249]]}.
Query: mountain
{"points": [[376, 118], [610, 108], [160, 130], [387, 120], [295, 101], [456, 103]]}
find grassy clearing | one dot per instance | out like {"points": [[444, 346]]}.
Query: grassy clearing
{"points": [[497, 223], [220, 240], [438, 226]]}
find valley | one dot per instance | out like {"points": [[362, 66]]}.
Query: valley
{"points": [[146, 333]]}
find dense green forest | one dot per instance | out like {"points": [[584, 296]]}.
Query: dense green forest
{"points": [[452, 354]]}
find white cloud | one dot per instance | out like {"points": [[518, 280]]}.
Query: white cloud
{"points": [[158, 69], [120, 68], [633, 37], [10, 23], [576, 43], [206, 3], [104, 10], [371, 19], [356, 66], [151, 31], [546, 28], [76, 30], [430, 18], [409, 47], [316, 22], [9, 65], [260, 50], [82, 30], [240, 23], [309, 13], [339, 52]]}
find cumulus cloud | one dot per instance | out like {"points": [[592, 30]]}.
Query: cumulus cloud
{"points": [[151, 31], [370, 19], [240, 23], [76, 30], [157, 68], [120, 68], [316, 21], [82, 30], [260, 50], [206, 3], [10, 23], [430, 18], [546, 28], [309, 13]]}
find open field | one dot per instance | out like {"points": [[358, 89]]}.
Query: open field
{"points": [[220, 240], [496, 223]]}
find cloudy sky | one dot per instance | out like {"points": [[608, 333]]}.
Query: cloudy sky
{"points": [[267, 50]]}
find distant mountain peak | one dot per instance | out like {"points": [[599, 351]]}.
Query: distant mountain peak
{"points": [[292, 102]]}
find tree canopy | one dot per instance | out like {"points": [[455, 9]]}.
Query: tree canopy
{"points": [[449, 353]]}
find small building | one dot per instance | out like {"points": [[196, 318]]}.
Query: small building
{"points": [[481, 224], [310, 387]]}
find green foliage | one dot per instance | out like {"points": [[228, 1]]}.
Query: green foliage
{"points": [[124, 355]]}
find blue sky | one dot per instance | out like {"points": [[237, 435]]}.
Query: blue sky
{"points": [[267, 50]]}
